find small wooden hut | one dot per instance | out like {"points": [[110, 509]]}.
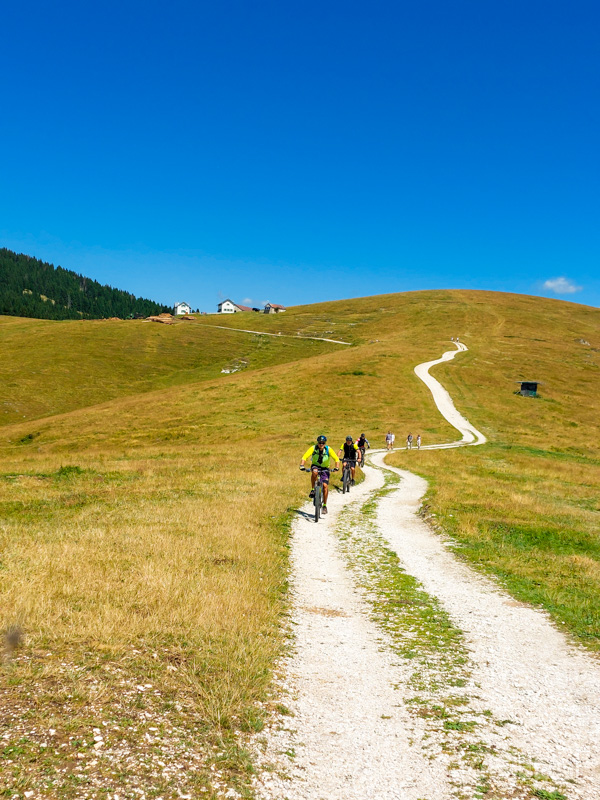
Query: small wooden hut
{"points": [[528, 388]]}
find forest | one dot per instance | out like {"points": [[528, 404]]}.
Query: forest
{"points": [[33, 288]]}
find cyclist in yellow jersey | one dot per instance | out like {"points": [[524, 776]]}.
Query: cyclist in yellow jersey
{"points": [[320, 458]]}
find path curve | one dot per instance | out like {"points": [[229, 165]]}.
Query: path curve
{"points": [[446, 407], [351, 736]]}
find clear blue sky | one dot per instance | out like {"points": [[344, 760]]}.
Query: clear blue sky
{"points": [[297, 152]]}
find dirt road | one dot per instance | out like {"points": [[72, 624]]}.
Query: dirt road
{"points": [[412, 677]]}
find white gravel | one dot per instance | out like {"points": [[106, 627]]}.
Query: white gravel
{"points": [[524, 668], [350, 736], [470, 434]]}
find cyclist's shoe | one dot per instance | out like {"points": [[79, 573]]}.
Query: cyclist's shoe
{"points": [[324, 510], [353, 482], [312, 494]]}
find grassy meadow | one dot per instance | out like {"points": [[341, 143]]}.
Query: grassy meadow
{"points": [[52, 367], [146, 497], [526, 506]]}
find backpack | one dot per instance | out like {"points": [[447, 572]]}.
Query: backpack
{"points": [[322, 456]]}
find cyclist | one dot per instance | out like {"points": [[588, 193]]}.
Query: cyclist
{"points": [[362, 443], [349, 451], [320, 456]]}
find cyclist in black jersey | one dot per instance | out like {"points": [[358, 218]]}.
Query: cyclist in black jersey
{"points": [[362, 443], [349, 452]]}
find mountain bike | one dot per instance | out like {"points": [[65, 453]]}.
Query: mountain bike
{"points": [[347, 475], [318, 498], [361, 457]]}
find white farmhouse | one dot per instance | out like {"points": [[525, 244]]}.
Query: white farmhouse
{"points": [[182, 308], [229, 307], [274, 308]]}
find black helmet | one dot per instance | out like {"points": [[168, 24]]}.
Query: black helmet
{"points": [[321, 439], [348, 438]]}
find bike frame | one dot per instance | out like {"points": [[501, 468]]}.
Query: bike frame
{"points": [[347, 473], [318, 500]]}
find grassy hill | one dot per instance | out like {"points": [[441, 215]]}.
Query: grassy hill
{"points": [[55, 366], [144, 524]]}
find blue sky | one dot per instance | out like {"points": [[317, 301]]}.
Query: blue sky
{"points": [[304, 152]]}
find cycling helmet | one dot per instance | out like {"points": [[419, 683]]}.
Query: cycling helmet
{"points": [[321, 439], [348, 438]]}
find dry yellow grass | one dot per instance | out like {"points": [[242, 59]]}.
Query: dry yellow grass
{"points": [[163, 561]]}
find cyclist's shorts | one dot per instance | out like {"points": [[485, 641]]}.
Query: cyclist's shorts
{"points": [[324, 473]]}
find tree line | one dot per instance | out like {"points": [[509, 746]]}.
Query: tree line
{"points": [[33, 288]]}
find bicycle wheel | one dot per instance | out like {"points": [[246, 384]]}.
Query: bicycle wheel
{"points": [[317, 501], [346, 481]]}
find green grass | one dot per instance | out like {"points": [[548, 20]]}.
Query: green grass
{"points": [[420, 632], [147, 499], [85, 362], [530, 521]]}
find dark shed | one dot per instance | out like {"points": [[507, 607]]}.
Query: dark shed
{"points": [[529, 388]]}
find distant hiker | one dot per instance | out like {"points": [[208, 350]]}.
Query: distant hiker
{"points": [[418, 441], [389, 440], [457, 340], [409, 441]]}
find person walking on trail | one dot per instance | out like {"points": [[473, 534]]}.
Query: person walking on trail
{"points": [[389, 440], [409, 441], [418, 441], [320, 455], [349, 453]]}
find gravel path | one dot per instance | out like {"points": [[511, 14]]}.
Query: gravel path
{"points": [[353, 734], [350, 735], [445, 405], [524, 669], [278, 335]]}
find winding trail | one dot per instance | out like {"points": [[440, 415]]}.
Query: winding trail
{"points": [[277, 335], [354, 733], [445, 405]]}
